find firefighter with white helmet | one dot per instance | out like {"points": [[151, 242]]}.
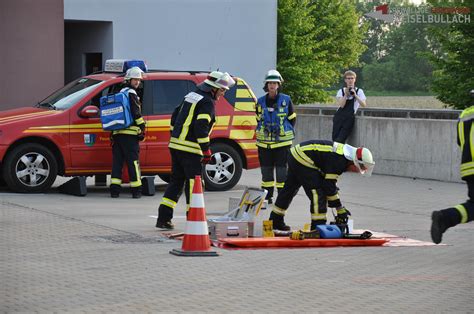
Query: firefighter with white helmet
{"points": [[276, 119], [125, 143], [191, 125], [316, 165]]}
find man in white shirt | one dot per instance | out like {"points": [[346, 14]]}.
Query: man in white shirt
{"points": [[349, 99]]}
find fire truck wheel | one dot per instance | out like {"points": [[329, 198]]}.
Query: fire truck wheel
{"points": [[224, 170], [30, 168]]}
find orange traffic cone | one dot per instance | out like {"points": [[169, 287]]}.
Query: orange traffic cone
{"points": [[196, 236]]}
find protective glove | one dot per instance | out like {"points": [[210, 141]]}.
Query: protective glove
{"points": [[206, 156], [141, 136], [342, 216]]}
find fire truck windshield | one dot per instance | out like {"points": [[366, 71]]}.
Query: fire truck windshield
{"points": [[70, 94]]}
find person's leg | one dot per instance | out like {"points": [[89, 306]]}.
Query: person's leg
{"points": [[318, 205], [132, 150], [450, 217], [117, 165], [345, 131], [265, 157], [172, 193], [285, 196], [281, 166], [192, 167], [336, 126]]}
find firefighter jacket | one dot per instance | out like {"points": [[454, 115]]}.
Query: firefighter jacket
{"points": [[192, 122], [328, 159], [136, 108], [275, 121], [466, 142]]}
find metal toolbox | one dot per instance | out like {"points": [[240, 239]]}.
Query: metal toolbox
{"points": [[227, 229]]}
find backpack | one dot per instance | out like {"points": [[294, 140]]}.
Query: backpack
{"points": [[115, 113]]}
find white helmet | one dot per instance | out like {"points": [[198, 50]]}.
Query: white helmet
{"points": [[274, 76], [219, 80], [361, 157], [134, 73]]}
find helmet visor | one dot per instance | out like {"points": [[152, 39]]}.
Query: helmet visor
{"points": [[365, 169], [225, 81]]}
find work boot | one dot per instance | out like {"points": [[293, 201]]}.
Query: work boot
{"points": [[438, 226], [279, 222], [166, 225], [115, 190], [314, 223], [136, 192]]}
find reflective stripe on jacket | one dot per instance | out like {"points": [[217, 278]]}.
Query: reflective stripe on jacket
{"points": [[191, 123]]}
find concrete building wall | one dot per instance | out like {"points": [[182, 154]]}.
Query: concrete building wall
{"points": [[408, 147], [32, 51], [237, 36]]}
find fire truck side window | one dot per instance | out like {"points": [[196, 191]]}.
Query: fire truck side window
{"points": [[167, 94]]}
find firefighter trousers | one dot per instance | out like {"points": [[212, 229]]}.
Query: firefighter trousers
{"points": [[312, 182], [185, 166], [461, 213], [273, 161], [125, 148]]}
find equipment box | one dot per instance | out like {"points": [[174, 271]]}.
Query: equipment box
{"points": [[227, 229]]}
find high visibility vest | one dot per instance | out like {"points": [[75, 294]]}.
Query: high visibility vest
{"points": [[274, 127]]}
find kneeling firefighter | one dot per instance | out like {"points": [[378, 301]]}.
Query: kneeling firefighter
{"points": [[125, 145], [191, 125], [316, 165]]}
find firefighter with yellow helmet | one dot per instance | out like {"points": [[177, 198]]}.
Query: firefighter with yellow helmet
{"points": [[275, 133], [125, 143], [316, 165], [191, 125]]}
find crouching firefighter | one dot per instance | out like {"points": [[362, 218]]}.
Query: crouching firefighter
{"points": [[316, 165], [125, 145], [462, 213], [191, 125], [275, 132]]}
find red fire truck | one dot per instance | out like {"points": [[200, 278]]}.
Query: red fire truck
{"points": [[62, 135]]}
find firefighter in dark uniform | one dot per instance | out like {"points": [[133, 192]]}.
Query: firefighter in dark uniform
{"points": [[462, 213], [349, 99], [316, 165], [191, 125], [125, 145], [275, 132]]}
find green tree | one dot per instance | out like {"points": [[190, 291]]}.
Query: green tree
{"points": [[317, 39], [453, 77], [404, 64], [295, 42]]}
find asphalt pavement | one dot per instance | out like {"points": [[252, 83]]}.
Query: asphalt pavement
{"points": [[62, 253]]}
